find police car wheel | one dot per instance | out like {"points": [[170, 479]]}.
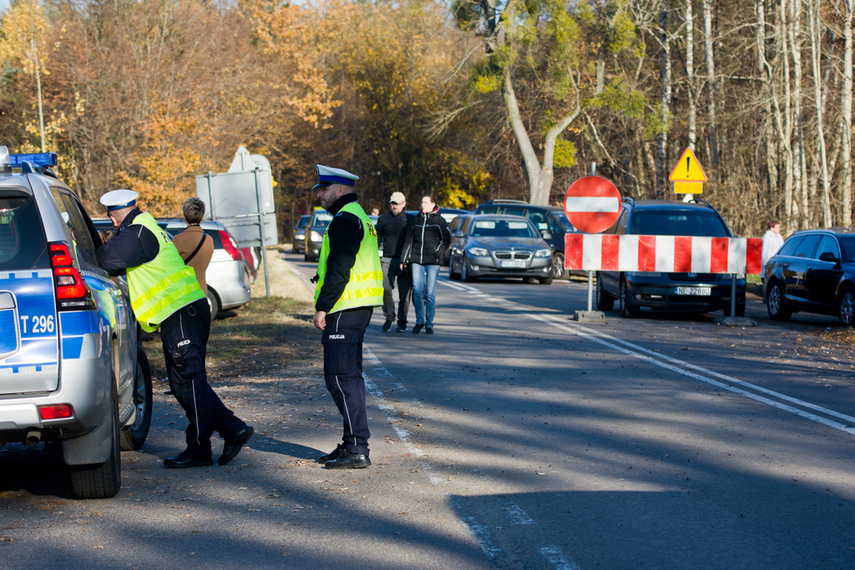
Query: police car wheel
{"points": [[134, 436], [101, 480]]}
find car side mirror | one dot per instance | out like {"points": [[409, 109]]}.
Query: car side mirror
{"points": [[828, 256], [546, 235]]}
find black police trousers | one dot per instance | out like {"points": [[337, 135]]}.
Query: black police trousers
{"points": [[184, 335], [342, 340]]}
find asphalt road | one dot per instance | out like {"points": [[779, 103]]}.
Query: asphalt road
{"points": [[514, 437]]}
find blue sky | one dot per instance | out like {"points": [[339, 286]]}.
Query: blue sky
{"points": [[3, 5]]}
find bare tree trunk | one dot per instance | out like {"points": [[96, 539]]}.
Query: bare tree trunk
{"points": [[712, 85], [846, 104], [765, 72], [799, 162], [815, 51], [662, 150], [540, 176], [784, 119]]}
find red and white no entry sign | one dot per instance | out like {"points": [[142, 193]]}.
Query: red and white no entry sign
{"points": [[592, 204]]}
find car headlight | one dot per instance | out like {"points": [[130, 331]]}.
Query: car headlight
{"points": [[543, 253], [478, 252], [316, 236]]}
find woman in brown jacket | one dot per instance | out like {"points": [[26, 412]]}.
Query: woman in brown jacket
{"points": [[194, 245]]}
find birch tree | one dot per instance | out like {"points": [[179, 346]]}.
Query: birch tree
{"points": [[846, 115]]}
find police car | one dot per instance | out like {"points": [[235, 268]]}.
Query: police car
{"points": [[71, 368]]}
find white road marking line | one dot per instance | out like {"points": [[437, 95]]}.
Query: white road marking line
{"points": [[665, 362], [725, 377], [556, 557], [479, 531], [515, 514]]}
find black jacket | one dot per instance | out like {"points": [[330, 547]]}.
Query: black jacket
{"points": [[391, 232], [130, 247], [345, 234], [426, 235]]}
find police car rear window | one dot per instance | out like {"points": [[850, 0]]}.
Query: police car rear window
{"points": [[22, 239]]}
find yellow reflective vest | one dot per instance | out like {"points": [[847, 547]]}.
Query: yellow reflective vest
{"points": [[163, 285], [365, 286]]}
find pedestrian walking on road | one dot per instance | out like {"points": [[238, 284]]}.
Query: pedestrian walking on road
{"points": [[391, 232], [423, 245], [348, 286], [166, 294]]}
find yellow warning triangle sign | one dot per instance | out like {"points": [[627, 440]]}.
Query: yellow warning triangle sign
{"points": [[688, 169]]}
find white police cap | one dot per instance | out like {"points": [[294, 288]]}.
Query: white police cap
{"points": [[118, 199], [327, 176]]}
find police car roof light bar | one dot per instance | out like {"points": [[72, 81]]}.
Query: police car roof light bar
{"points": [[40, 159]]}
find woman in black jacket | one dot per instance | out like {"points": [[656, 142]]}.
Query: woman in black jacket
{"points": [[426, 235]]}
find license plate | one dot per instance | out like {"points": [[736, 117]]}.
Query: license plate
{"points": [[704, 291], [513, 264]]}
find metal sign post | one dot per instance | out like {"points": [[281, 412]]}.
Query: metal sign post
{"points": [[261, 235]]}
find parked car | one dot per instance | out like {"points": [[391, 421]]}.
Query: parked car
{"points": [[315, 234], [814, 271], [500, 246], [454, 228], [547, 219], [298, 242], [448, 214], [690, 292], [72, 370], [227, 274]]}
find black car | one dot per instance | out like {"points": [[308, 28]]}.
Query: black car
{"points": [[547, 219], [298, 241], [814, 271], [689, 292]]}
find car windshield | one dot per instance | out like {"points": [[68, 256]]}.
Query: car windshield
{"points": [[22, 239], [322, 220], [502, 228], [847, 243], [678, 223]]}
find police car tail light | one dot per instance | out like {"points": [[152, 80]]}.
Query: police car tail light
{"points": [[71, 290], [56, 412], [230, 246]]}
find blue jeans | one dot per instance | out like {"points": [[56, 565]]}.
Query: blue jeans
{"points": [[424, 293]]}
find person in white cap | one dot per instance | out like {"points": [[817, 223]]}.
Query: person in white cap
{"points": [[349, 284], [165, 294], [391, 230]]}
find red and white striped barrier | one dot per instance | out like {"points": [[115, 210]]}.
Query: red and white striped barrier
{"points": [[668, 254]]}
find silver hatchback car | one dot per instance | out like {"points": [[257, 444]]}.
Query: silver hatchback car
{"points": [[71, 368]]}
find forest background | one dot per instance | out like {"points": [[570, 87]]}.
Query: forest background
{"points": [[467, 100]]}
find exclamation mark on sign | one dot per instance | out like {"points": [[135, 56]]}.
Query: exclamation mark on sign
{"points": [[688, 165]]}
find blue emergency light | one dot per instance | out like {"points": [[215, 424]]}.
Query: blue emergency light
{"points": [[40, 159]]}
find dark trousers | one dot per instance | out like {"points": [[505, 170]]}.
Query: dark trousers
{"points": [[342, 340], [392, 274], [184, 335]]}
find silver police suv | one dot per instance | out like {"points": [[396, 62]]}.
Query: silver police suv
{"points": [[72, 370]]}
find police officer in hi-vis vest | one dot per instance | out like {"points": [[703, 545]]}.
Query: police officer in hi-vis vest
{"points": [[349, 284], [166, 294]]}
